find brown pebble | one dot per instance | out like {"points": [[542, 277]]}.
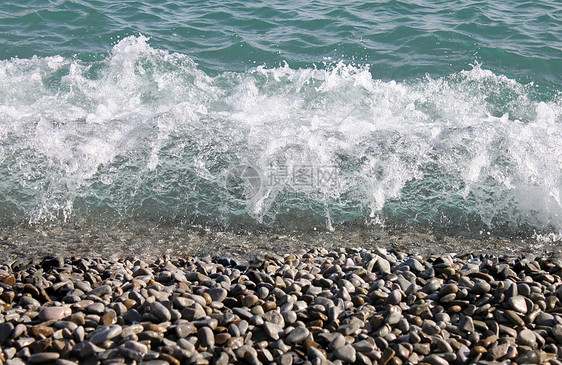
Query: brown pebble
{"points": [[250, 300], [169, 358], [489, 340], [455, 308], [208, 298], [149, 326], [129, 303], [477, 350], [270, 305], [222, 338], [235, 342], [8, 296], [109, 318], [42, 330], [9, 280]]}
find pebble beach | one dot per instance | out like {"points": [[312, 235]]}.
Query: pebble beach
{"points": [[323, 305]]}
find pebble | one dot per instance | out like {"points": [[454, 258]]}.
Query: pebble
{"points": [[341, 306], [297, 335], [160, 312], [518, 303], [206, 337], [527, 337], [43, 357], [106, 334], [5, 331], [54, 313], [346, 353]]}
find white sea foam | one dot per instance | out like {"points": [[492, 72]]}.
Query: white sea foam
{"points": [[145, 131]]}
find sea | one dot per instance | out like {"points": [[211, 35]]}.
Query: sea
{"points": [[277, 116]]}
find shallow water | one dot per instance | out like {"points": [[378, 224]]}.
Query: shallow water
{"points": [[271, 116]]}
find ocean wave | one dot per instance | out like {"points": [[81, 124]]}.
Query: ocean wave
{"points": [[146, 132]]}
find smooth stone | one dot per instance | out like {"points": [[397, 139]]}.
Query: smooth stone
{"points": [[481, 287], [96, 308], [393, 318], [136, 346], [448, 289], [435, 360], [218, 294], [518, 304], [250, 300], [499, 351], [285, 359], [337, 342], [110, 317], [443, 345], [272, 330], [185, 329], [54, 313], [349, 329], [527, 337], [222, 338], [71, 326], [42, 330], [363, 346], [297, 335], [194, 312], [43, 357], [106, 334], [160, 311], [206, 337], [5, 332], [383, 265], [463, 354], [431, 328], [415, 265], [346, 353], [133, 329], [514, 318], [394, 297], [101, 290], [467, 324], [557, 333]]}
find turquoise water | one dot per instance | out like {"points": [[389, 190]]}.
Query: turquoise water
{"points": [[445, 115]]}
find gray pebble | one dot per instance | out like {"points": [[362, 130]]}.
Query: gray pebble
{"points": [[297, 335]]}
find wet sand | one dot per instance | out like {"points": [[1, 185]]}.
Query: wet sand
{"points": [[151, 241]]}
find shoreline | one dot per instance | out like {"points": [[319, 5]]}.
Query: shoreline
{"points": [[152, 241]]}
